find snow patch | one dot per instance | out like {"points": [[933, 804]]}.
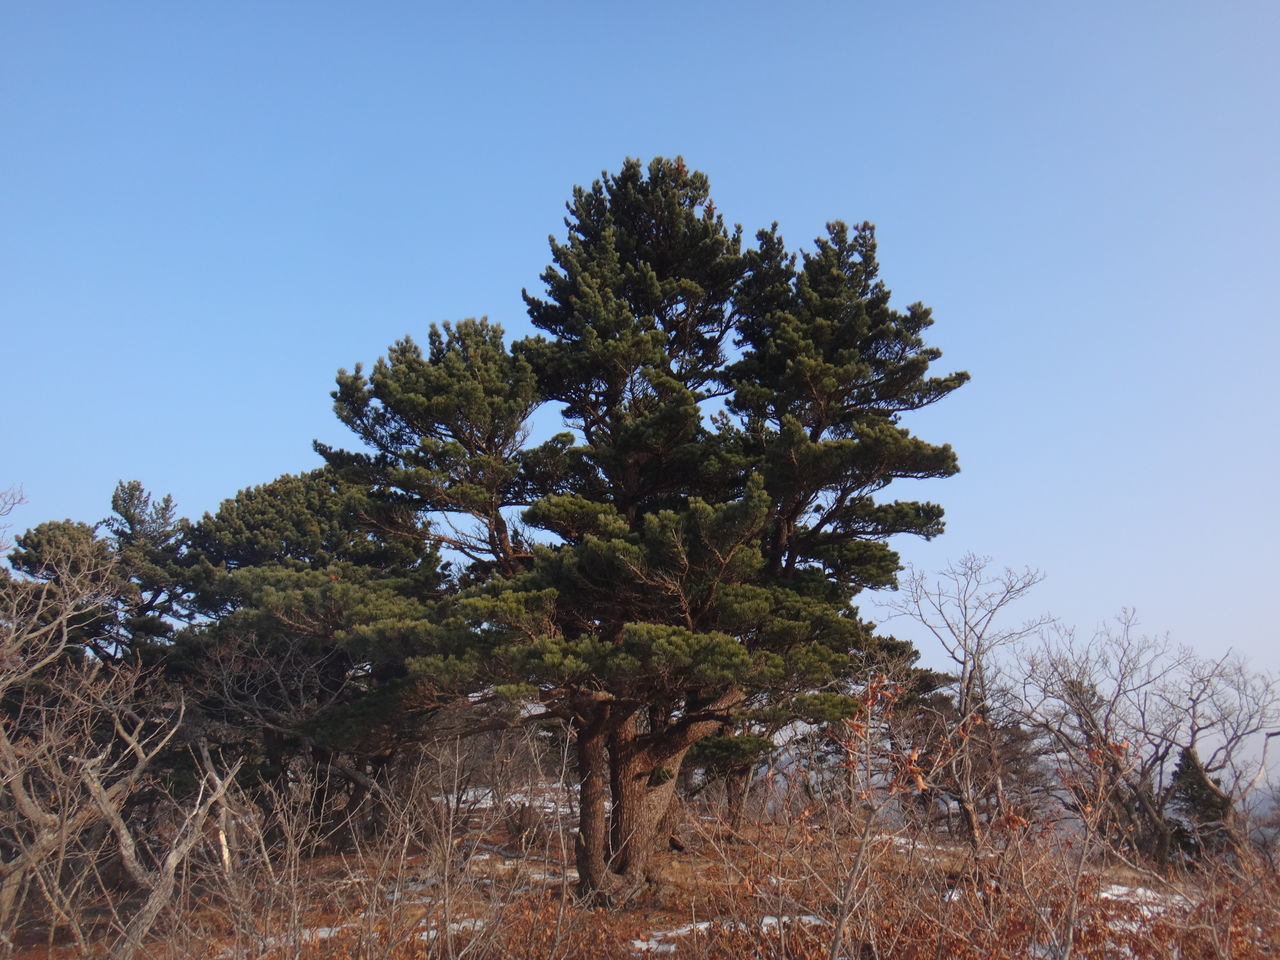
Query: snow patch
{"points": [[465, 925], [656, 942]]}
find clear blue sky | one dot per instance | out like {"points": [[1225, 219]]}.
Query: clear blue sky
{"points": [[206, 209]]}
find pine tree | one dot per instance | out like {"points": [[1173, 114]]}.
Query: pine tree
{"points": [[1208, 811], [287, 576], [693, 543], [134, 558]]}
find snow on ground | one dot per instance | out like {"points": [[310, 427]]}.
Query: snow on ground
{"points": [[1148, 903], [1142, 896], [464, 925], [305, 935], [547, 797], [657, 941]]}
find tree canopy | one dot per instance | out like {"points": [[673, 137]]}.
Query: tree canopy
{"points": [[692, 543]]}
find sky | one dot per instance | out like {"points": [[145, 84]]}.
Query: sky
{"points": [[207, 209]]}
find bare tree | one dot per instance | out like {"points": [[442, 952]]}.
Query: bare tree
{"points": [[965, 608], [1141, 725], [9, 499], [978, 749], [79, 742]]}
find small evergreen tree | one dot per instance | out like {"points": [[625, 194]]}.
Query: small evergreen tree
{"points": [[1212, 823], [134, 555], [288, 574]]}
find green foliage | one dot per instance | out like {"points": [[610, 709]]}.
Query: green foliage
{"points": [[126, 572], [297, 524], [306, 594], [1207, 810], [721, 754], [446, 428], [712, 510]]}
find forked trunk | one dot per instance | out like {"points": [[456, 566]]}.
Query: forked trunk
{"points": [[644, 772], [615, 852]]}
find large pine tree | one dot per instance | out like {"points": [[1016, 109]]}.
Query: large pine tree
{"points": [[694, 541]]}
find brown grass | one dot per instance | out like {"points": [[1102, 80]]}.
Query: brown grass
{"points": [[778, 890]]}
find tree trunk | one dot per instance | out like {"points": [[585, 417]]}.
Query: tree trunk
{"points": [[615, 855], [969, 817], [737, 784], [644, 772], [591, 845]]}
